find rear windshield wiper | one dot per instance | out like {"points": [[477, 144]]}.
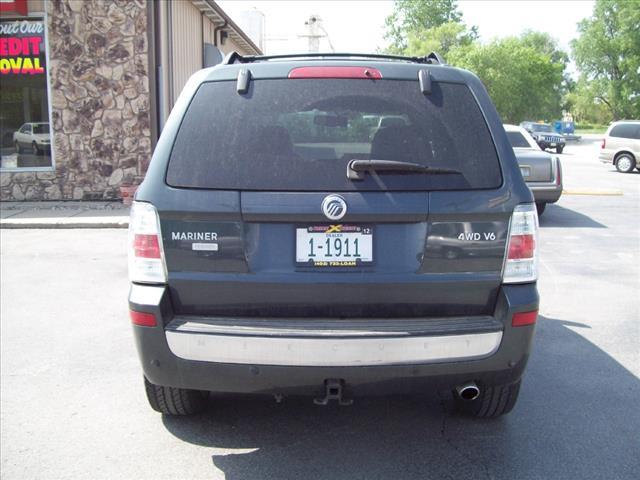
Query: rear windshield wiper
{"points": [[356, 169]]}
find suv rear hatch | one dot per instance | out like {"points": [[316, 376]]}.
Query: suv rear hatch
{"points": [[246, 232]]}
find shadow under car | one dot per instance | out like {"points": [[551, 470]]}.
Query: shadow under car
{"points": [[577, 416]]}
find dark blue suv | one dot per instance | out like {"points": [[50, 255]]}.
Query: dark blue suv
{"points": [[290, 239]]}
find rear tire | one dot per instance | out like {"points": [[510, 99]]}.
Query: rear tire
{"points": [[559, 149], [625, 163], [540, 208], [493, 401], [175, 401]]}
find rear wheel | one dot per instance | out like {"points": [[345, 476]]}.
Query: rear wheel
{"points": [[175, 401], [540, 208], [559, 148], [493, 401], [625, 163]]}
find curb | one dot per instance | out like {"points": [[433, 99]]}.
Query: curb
{"points": [[64, 223], [595, 192]]}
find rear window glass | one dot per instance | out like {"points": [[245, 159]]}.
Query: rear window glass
{"points": [[517, 140], [625, 130], [299, 135], [541, 127]]}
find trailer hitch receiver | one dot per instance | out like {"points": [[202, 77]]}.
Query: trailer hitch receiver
{"points": [[333, 390]]}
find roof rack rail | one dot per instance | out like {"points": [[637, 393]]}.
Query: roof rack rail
{"points": [[234, 57], [435, 58]]}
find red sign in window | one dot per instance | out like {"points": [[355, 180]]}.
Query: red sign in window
{"points": [[21, 47], [14, 6]]}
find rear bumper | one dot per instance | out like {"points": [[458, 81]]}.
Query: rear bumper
{"points": [[545, 192], [184, 354], [605, 156], [338, 348]]}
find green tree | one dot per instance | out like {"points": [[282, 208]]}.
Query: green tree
{"points": [[441, 39], [607, 54], [545, 43], [414, 17], [523, 80], [584, 105], [524, 75]]}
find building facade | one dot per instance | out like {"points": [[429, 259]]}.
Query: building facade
{"points": [[86, 85]]}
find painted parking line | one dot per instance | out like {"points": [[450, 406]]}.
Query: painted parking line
{"points": [[605, 192]]}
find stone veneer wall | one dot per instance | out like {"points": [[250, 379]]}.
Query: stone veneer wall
{"points": [[100, 117]]}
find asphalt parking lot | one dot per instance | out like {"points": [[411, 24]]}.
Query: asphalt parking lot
{"points": [[72, 402]]}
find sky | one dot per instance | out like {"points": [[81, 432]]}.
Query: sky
{"points": [[358, 26]]}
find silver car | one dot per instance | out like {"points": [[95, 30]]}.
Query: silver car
{"points": [[621, 146], [33, 137], [541, 170]]}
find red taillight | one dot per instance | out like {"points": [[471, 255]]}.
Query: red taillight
{"points": [[522, 263], [521, 246], [146, 246], [142, 319], [146, 259], [336, 72], [604, 143], [521, 319]]}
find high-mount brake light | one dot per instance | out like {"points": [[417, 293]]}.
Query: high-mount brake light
{"points": [[522, 260], [336, 72], [146, 258]]}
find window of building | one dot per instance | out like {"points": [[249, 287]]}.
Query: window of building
{"points": [[24, 102]]}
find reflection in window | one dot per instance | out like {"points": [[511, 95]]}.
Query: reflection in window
{"points": [[25, 140]]}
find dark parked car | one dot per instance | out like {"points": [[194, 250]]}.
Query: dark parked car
{"points": [[276, 248], [541, 170], [545, 136]]}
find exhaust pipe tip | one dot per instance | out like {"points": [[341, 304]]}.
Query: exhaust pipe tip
{"points": [[468, 391]]}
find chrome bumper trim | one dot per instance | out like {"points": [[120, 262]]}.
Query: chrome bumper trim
{"points": [[328, 352], [544, 186]]}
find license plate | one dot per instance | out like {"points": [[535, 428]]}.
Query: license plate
{"points": [[334, 245], [526, 171]]}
